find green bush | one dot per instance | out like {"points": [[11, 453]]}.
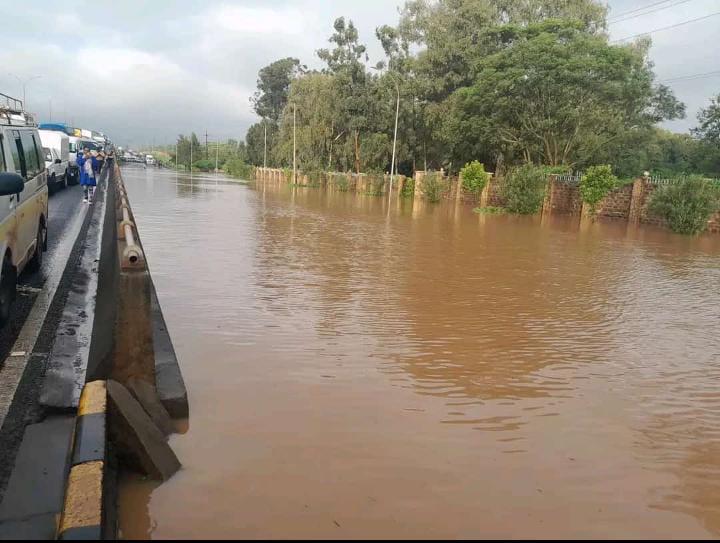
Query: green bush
{"points": [[524, 189], [434, 187], [204, 165], [408, 189], [687, 205], [235, 167], [342, 183], [474, 177], [597, 182]]}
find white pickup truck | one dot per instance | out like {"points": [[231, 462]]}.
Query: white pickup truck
{"points": [[56, 149]]}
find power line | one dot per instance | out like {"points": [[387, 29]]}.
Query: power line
{"points": [[691, 77], [629, 17], [667, 27], [623, 13]]}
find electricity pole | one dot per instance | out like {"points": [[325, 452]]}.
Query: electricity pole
{"points": [[397, 115], [206, 145], [217, 153], [191, 150], [24, 85], [294, 148]]}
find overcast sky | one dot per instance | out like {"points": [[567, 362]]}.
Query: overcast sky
{"points": [[144, 72]]}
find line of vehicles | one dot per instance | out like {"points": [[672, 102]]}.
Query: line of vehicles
{"points": [[138, 158], [31, 157], [61, 143]]}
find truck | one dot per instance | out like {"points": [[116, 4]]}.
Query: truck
{"points": [[56, 151]]}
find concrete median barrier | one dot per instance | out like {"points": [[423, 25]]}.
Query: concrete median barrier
{"points": [[85, 514]]}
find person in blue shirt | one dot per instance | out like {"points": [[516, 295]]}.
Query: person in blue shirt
{"points": [[88, 166]]}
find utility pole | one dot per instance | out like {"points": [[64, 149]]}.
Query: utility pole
{"points": [[24, 85], [206, 145], [50, 108], [392, 164], [217, 153], [176, 157], [191, 150], [265, 151], [294, 147]]}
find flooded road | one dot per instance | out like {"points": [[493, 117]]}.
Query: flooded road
{"points": [[428, 372]]}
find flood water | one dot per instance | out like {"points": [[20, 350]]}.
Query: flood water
{"points": [[424, 372]]}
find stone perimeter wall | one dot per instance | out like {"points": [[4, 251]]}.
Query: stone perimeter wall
{"points": [[629, 202]]}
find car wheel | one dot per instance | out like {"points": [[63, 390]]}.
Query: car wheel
{"points": [[7, 291], [65, 180], [51, 183], [41, 244]]}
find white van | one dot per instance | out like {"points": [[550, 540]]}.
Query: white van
{"points": [[74, 147], [56, 150], [23, 202]]}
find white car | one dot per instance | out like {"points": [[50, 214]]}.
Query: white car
{"points": [[57, 171], [23, 202], [56, 151]]}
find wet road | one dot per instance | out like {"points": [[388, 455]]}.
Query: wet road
{"points": [[63, 206], [427, 372], [18, 406]]}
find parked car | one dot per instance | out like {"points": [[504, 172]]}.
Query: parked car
{"points": [[56, 151], [23, 202], [73, 134]]}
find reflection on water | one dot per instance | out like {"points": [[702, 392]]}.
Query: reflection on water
{"points": [[420, 371]]}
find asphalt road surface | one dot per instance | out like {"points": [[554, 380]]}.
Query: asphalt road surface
{"points": [[18, 396]]}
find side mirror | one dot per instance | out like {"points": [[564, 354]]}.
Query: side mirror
{"points": [[11, 183], [58, 161]]}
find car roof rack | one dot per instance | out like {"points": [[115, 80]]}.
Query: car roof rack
{"points": [[12, 112]]}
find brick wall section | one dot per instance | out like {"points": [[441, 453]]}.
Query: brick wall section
{"points": [[645, 217], [495, 193], [565, 199], [617, 203]]}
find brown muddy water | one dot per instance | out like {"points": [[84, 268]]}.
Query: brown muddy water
{"points": [[356, 372]]}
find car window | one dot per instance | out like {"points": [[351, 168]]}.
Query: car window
{"points": [[48, 154], [38, 151], [72, 147], [32, 166], [16, 152], [3, 166]]}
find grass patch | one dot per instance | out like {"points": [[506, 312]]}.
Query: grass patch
{"points": [[490, 210]]}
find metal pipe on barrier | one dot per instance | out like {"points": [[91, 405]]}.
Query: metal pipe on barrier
{"points": [[133, 255]]}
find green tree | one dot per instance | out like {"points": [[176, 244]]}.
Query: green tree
{"points": [[555, 94], [708, 128], [346, 61], [273, 86]]}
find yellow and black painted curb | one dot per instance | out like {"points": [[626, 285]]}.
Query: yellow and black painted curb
{"points": [[83, 510]]}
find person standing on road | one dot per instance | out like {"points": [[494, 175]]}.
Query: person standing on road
{"points": [[101, 163], [88, 166]]}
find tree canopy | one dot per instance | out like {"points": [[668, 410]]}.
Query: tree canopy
{"points": [[505, 82]]}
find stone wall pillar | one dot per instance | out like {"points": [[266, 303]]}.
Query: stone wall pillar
{"points": [[459, 188], [485, 193], [419, 177], [636, 200], [549, 195]]}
